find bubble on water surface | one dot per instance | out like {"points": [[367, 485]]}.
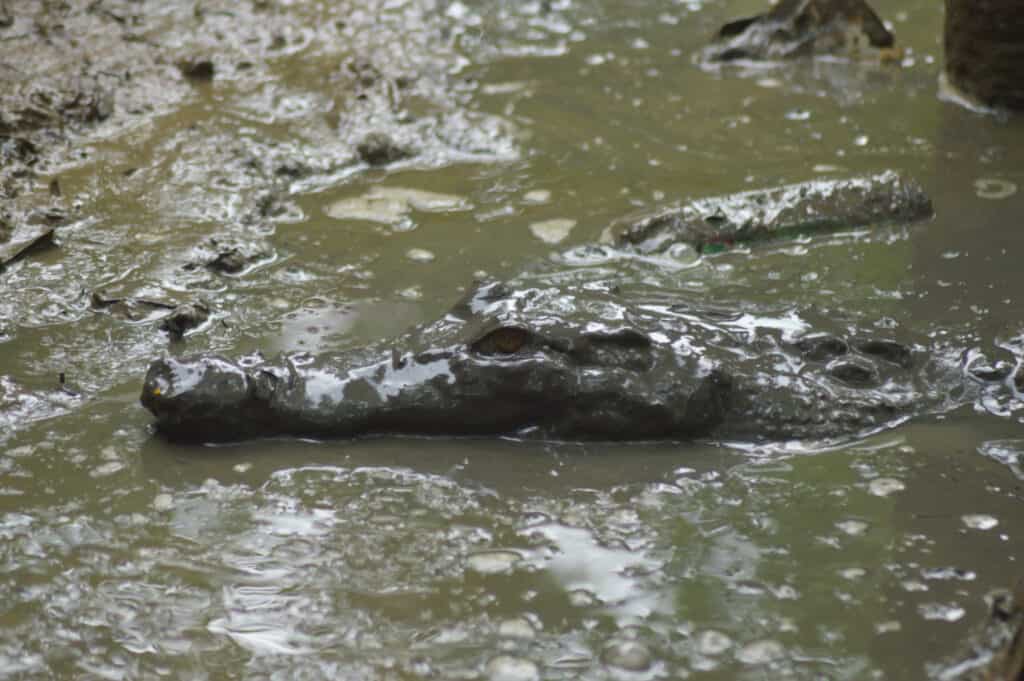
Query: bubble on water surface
{"points": [[411, 293], [993, 188], [595, 573], [109, 468], [888, 627], [368, 208], [979, 521], [537, 196], [392, 205], [941, 612], [712, 642], [760, 652], [511, 668], [493, 562], [632, 656], [420, 255], [853, 528], [949, 573], [883, 487], [683, 254], [516, 627], [262, 639], [552, 231], [582, 598], [163, 502]]}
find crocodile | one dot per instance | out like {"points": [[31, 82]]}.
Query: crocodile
{"points": [[590, 363]]}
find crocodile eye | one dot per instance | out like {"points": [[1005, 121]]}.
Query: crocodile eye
{"points": [[506, 340]]}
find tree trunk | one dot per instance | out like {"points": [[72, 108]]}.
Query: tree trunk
{"points": [[984, 42]]}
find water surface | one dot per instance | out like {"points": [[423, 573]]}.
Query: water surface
{"points": [[536, 125]]}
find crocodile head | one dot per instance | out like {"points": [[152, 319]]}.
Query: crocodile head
{"points": [[795, 28], [532, 361]]}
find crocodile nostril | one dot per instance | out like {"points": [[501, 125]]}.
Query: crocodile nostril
{"points": [[853, 372]]}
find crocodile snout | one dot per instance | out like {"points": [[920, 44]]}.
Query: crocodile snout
{"points": [[193, 391]]}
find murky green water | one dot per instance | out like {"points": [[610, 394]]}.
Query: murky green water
{"points": [[536, 126]]}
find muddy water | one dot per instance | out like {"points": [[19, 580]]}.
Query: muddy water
{"points": [[532, 127]]}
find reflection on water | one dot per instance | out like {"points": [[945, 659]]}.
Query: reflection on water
{"points": [[535, 123]]}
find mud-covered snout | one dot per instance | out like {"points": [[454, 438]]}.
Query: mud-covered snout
{"points": [[199, 396]]}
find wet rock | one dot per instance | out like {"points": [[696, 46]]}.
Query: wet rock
{"points": [[796, 28], [230, 261], [379, 149], [184, 318], [197, 70], [229, 256]]}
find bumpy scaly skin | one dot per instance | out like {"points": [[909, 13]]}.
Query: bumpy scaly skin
{"points": [[499, 362], [796, 28], [814, 206], [540, 362]]}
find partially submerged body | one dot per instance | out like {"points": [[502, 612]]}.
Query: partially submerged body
{"points": [[803, 208], [590, 364]]}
